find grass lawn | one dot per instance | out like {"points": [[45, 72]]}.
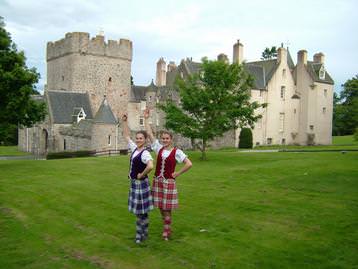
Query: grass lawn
{"points": [[11, 151], [258, 210]]}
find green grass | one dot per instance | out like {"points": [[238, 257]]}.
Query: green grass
{"points": [[344, 140], [259, 210], [11, 151]]}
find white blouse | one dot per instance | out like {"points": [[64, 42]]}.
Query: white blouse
{"points": [[180, 156], [146, 157]]}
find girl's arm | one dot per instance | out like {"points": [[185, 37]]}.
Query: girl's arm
{"points": [[186, 167], [125, 127], [147, 126], [146, 171]]}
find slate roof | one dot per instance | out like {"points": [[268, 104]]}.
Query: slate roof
{"points": [[313, 69], [105, 114], [62, 104], [137, 93]]}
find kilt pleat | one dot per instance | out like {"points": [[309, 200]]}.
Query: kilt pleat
{"points": [[140, 198], [165, 194]]}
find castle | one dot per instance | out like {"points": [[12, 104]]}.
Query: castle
{"points": [[89, 88]]}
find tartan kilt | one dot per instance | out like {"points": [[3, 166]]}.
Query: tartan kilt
{"points": [[165, 194], [140, 198]]}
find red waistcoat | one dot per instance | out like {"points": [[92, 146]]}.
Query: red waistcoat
{"points": [[169, 163]]}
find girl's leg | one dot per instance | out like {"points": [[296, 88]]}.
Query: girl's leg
{"points": [[167, 220], [138, 235], [144, 225]]}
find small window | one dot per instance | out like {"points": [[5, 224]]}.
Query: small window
{"points": [[257, 143], [294, 111], [110, 79], [157, 99], [325, 92], [284, 72], [269, 141], [141, 121], [311, 127], [282, 121], [283, 141], [324, 110], [150, 98], [64, 144], [181, 74], [109, 140], [283, 89], [63, 78], [322, 73]]}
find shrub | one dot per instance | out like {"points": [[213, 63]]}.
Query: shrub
{"points": [[245, 139], [355, 136]]}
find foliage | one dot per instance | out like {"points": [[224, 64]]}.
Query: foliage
{"points": [[345, 110], [245, 139], [213, 102], [269, 53], [356, 135], [16, 87]]}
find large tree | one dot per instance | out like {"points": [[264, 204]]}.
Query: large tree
{"points": [[345, 110], [213, 101], [16, 87], [269, 53]]}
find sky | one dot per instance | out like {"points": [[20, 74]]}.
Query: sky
{"points": [[178, 29]]}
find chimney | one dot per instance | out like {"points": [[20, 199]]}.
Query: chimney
{"points": [[223, 57], [171, 66], [281, 55], [238, 52], [161, 73], [302, 57], [318, 58]]}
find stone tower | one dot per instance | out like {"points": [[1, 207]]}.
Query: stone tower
{"points": [[83, 64], [161, 73]]}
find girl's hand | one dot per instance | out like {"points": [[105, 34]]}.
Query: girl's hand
{"points": [[175, 175], [146, 113], [124, 117], [139, 176]]}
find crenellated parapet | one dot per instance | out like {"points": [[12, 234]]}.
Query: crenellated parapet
{"points": [[81, 43]]}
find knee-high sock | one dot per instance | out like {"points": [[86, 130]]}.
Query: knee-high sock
{"points": [[138, 235], [167, 229], [144, 224]]}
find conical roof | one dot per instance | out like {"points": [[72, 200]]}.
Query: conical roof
{"points": [[105, 114]]}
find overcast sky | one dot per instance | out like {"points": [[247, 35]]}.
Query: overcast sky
{"points": [[179, 29]]}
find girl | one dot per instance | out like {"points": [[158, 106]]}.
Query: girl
{"points": [[164, 183], [141, 163]]}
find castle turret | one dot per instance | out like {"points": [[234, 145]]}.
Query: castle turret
{"points": [[161, 73], [238, 52], [223, 57], [171, 66]]}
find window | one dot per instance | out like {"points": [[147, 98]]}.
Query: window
{"points": [[261, 93], [257, 143], [282, 120], [64, 144], [141, 121], [269, 141], [283, 89], [324, 110], [109, 140], [150, 98], [283, 141], [157, 99], [63, 78], [311, 127], [322, 73], [181, 74], [294, 111], [110, 79], [284, 72], [325, 92]]}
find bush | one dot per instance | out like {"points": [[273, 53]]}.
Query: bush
{"points": [[68, 154], [355, 136], [245, 139]]}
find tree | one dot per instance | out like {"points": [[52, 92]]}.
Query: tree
{"points": [[213, 102], [245, 139], [16, 87], [269, 53], [345, 108]]}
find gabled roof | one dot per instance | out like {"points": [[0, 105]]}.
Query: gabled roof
{"points": [[313, 69], [137, 93], [105, 114], [62, 104], [262, 71]]}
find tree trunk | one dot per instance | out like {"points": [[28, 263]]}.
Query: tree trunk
{"points": [[203, 151]]}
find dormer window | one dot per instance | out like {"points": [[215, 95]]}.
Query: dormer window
{"points": [[322, 72], [78, 114]]}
